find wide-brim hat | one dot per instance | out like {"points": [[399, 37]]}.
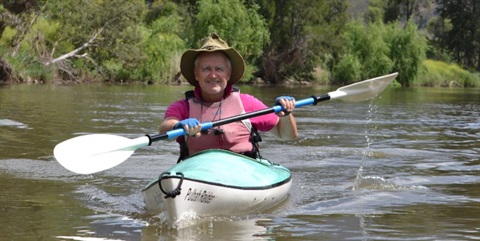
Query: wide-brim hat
{"points": [[212, 43]]}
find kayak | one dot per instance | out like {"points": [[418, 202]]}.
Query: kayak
{"points": [[217, 183]]}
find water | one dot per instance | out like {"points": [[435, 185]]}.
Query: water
{"points": [[405, 166]]}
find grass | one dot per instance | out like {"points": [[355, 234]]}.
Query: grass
{"points": [[442, 74]]}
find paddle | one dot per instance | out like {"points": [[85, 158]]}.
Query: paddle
{"points": [[97, 152]]}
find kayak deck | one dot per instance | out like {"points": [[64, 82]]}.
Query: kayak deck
{"points": [[218, 182], [225, 168]]}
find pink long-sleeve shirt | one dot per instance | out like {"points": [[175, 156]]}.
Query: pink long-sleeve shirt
{"points": [[264, 123]]}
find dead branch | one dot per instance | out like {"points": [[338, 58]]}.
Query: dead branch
{"points": [[74, 52]]}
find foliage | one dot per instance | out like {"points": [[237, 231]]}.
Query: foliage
{"points": [[436, 27], [347, 70], [375, 12], [376, 49], [462, 40], [406, 10], [301, 37], [28, 69], [407, 51], [163, 46], [447, 75], [241, 26], [366, 54], [116, 40], [24, 57], [119, 40]]}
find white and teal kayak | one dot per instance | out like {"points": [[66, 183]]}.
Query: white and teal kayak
{"points": [[218, 183]]}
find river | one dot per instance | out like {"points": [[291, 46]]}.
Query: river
{"points": [[404, 166]]}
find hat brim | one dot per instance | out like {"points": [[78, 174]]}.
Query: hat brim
{"points": [[187, 64]]}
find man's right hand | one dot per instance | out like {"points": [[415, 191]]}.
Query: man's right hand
{"points": [[191, 125]]}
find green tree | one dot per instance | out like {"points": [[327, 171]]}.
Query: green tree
{"points": [[375, 12], [376, 49], [407, 51], [19, 23], [405, 10], [12, 12], [302, 33], [436, 29], [161, 45], [111, 27], [366, 54], [241, 26], [463, 39]]}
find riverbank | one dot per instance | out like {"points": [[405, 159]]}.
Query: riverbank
{"points": [[441, 74], [434, 74]]}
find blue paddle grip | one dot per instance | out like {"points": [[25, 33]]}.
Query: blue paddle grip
{"points": [[176, 133], [308, 101], [298, 103], [207, 125], [180, 132]]}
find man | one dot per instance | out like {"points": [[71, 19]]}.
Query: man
{"points": [[213, 70]]}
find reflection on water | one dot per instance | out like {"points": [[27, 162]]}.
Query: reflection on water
{"points": [[212, 229], [405, 166]]}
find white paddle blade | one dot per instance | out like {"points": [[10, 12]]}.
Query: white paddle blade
{"points": [[363, 90], [94, 153]]}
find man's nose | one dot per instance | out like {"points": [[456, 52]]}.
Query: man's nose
{"points": [[213, 74]]}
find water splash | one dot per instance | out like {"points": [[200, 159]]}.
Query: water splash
{"points": [[370, 130]]}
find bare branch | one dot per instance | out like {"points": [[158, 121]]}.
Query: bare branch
{"points": [[74, 52]]}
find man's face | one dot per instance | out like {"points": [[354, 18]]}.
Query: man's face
{"points": [[212, 71]]}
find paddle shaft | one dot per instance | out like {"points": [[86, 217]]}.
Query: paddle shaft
{"points": [[313, 100]]}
